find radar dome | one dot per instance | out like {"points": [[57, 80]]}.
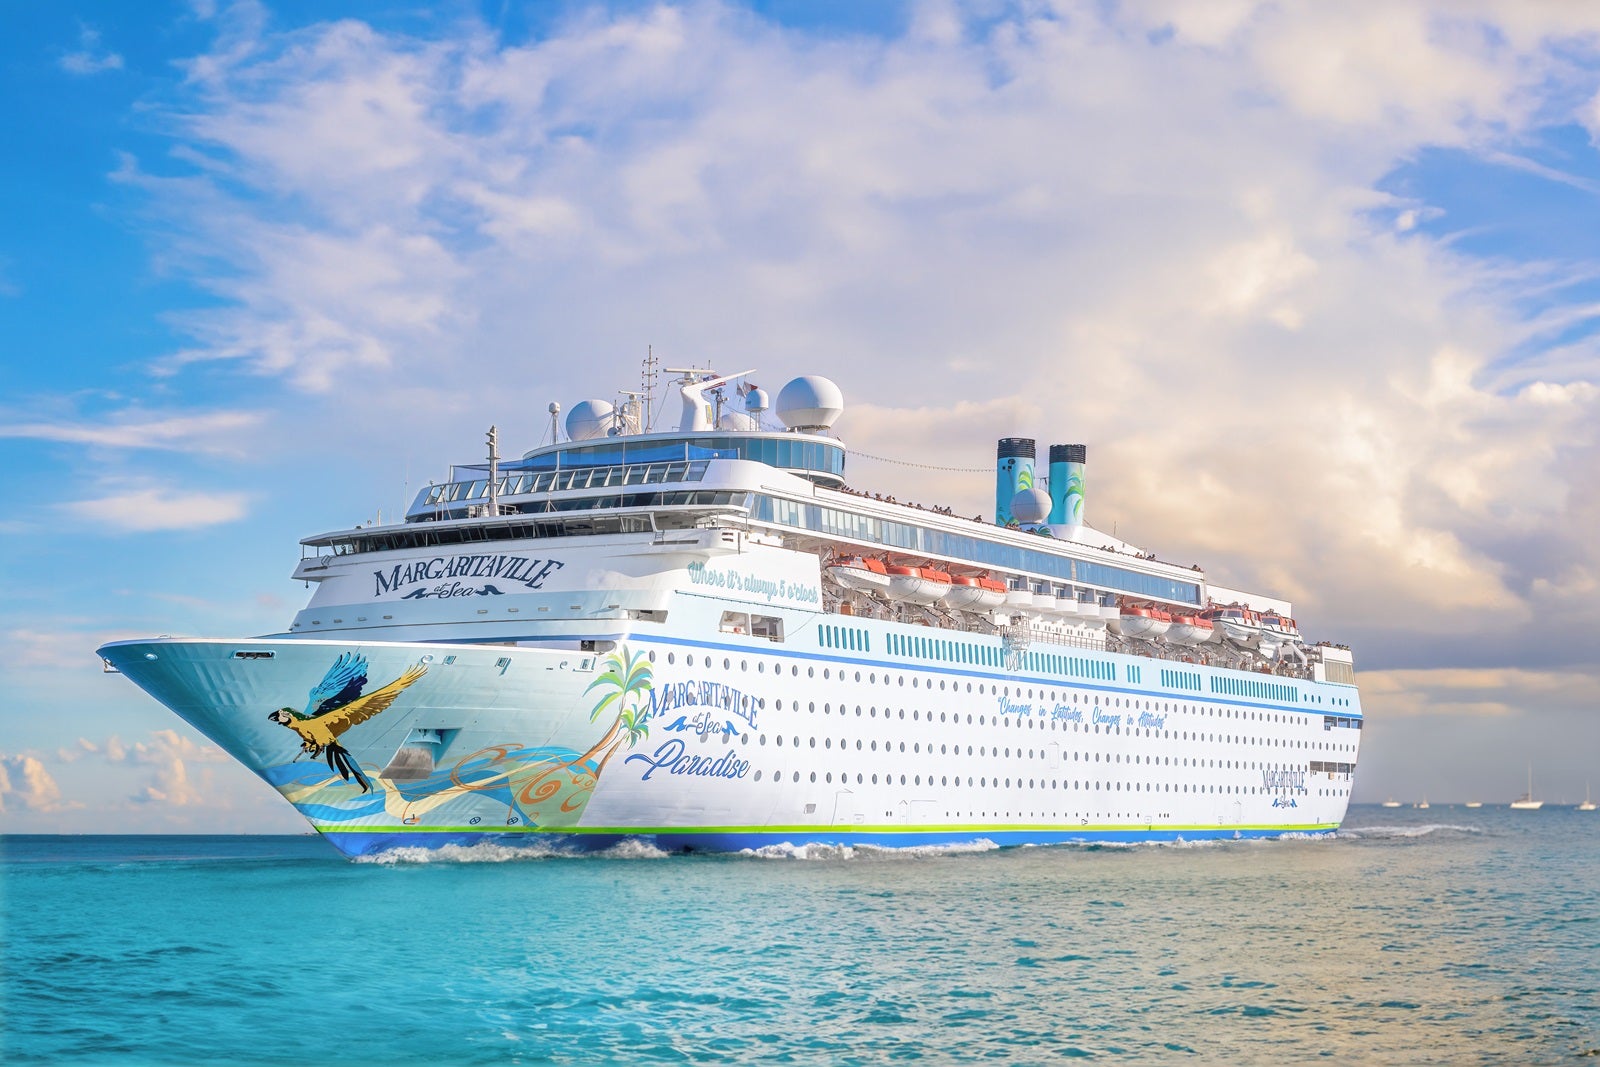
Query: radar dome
{"points": [[1030, 506], [589, 419], [811, 402], [755, 401]]}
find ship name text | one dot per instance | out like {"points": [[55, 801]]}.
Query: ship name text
{"points": [[672, 757], [530, 573], [673, 695], [1283, 779]]}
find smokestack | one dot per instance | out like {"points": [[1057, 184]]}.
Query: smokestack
{"points": [[1066, 484], [1013, 474]]}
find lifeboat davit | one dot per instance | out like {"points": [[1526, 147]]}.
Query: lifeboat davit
{"points": [[861, 575]]}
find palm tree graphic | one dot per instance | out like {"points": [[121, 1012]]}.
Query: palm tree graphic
{"points": [[623, 685]]}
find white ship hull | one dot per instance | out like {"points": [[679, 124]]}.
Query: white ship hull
{"points": [[743, 743]]}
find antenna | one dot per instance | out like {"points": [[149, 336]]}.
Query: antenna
{"points": [[494, 471], [648, 381]]}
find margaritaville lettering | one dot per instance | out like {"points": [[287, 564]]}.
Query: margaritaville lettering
{"points": [[673, 695], [1283, 779], [521, 570]]}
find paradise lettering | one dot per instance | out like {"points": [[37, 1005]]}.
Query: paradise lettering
{"points": [[528, 572], [672, 759]]}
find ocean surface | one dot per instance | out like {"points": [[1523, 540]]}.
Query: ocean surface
{"points": [[1448, 936]]}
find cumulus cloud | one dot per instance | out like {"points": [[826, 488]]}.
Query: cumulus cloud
{"points": [[1158, 228], [161, 509], [25, 782]]}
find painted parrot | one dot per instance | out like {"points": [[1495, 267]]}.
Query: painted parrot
{"points": [[335, 705]]}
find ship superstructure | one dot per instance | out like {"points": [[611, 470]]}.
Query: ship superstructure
{"points": [[703, 637]]}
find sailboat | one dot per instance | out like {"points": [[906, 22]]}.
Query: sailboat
{"points": [[1587, 805], [1391, 803], [1423, 805], [1526, 801]]}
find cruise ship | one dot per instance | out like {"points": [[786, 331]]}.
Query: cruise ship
{"points": [[703, 638]]}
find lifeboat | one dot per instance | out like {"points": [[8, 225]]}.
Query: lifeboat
{"points": [[1280, 628], [917, 585], [964, 594], [994, 594], [935, 584], [1131, 622], [1160, 623], [1237, 626], [1189, 630], [861, 575]]}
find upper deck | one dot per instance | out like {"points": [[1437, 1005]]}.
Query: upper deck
{"points": [[616, 475]]}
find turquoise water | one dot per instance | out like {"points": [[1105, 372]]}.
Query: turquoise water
{"points": [[1444, 936]]}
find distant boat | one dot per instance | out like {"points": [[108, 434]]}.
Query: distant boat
{"points": [[1587, 805], [1526, 801], [1423, 805], [1474, 803], [1391, 803]]}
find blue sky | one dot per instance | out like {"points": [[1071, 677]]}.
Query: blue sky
{"points": [[1317, 286]]}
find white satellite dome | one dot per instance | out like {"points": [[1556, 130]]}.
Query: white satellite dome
{"points": [[1030, 507], [810, 402], [589, 419], [755, 401]]}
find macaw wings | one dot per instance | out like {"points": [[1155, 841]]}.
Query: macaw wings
{"points": [[341, 685], [361, 709]]}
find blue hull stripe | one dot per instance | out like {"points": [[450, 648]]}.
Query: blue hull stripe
{"points": [[367, 844]]}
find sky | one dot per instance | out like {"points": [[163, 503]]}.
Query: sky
{"points": [[1316, 284]]}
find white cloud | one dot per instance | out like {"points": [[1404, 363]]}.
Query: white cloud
{"points": [[1156, 228], [1473, 692], [24, 780], [215, 432], [90, 58], [160, 509]]}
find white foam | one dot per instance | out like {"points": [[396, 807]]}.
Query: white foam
{"points": [[1387, 832], [630, 848], [789, 851]]}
